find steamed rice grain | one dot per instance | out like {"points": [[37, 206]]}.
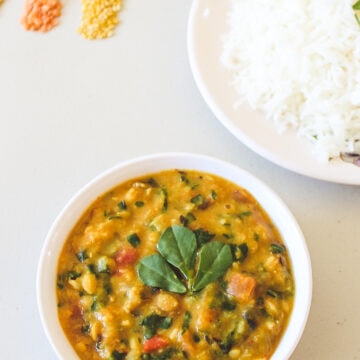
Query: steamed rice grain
{"points": [[298, 61]]}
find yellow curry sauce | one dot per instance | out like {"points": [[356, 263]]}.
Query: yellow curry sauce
{"points": [[108, 312]]}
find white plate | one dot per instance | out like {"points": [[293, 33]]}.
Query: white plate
{"points": [[207, 24]]}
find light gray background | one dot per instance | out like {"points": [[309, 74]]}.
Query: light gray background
{"points": [[70, 109]]}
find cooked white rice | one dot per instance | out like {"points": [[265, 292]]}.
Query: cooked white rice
{"points": [[299, 62]]}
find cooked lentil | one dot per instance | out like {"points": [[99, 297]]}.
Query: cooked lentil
{"points": [[99, 18], [107, 312], [41, 15]]}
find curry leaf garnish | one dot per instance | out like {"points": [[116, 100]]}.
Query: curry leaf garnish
{"points": [[214, 259], [153, 270], [180, 262], [178, 246]]}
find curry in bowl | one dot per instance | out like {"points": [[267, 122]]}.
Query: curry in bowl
{"points": [[175, 265]]}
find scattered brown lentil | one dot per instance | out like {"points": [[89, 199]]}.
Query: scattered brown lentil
{"points": [[99, 18], [41, 15]]}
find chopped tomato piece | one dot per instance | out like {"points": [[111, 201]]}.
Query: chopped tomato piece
{"points": [[242, 287], [155, 343], [126, 257]]}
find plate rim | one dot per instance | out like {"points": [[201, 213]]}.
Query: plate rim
{"points": [[332, 176]]}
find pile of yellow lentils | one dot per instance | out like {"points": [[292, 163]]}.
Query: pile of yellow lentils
{"points": [[99, 18], [98, 21]]}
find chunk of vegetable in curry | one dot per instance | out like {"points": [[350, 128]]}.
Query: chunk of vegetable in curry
{"points": [[230, 306]]}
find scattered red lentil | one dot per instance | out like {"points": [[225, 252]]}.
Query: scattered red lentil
{"points": [[99, 18], [41, 15]]}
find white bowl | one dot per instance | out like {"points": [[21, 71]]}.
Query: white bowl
{"points": [[271, 203]]}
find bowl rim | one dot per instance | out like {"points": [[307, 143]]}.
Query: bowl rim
{"points": [[150, 164]]}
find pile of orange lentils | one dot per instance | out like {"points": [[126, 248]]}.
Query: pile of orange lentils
{"points": [[98, 21], [41, 15]]}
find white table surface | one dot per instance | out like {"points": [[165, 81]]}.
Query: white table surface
{"points": [[71, 108]]}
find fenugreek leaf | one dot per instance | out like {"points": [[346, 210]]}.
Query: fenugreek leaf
{"points": [[153, 270], [177, 245], [153, 322], [214, 259]]}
